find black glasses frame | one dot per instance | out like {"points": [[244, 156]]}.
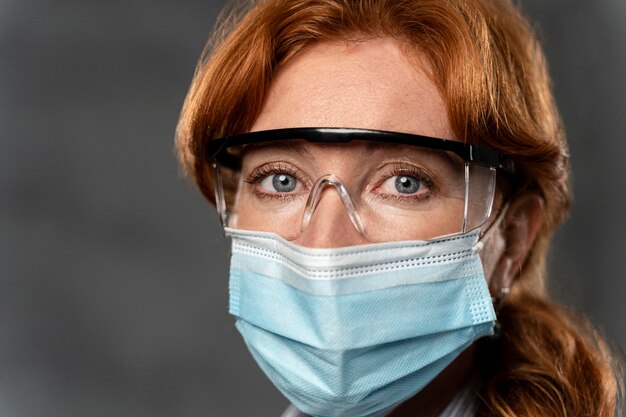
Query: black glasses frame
{"points": [[217, 148]]}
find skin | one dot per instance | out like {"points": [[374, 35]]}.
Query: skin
{"points": [[320, 88], [372, 84]]}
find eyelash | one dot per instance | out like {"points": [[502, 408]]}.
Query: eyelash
{"points": [[262, 172], [393, 170]]}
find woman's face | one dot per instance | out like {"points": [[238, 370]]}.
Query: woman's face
{"points": [[370, 85]]}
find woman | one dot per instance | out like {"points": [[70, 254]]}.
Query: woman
{"points": [[391, 173]]}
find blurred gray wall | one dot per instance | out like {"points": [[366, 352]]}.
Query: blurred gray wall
{"points": [[113, 272]]}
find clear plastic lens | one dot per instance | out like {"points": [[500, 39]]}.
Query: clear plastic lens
{"points": [[389, 192]]}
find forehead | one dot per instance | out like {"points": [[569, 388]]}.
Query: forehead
{"points": [[370, 84]]}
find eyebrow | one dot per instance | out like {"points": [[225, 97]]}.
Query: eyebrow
{"points": [[377, 145], [447, 158], [290, 145]]}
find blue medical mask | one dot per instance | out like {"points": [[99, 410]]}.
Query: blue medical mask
{"points": [[354, 331]]}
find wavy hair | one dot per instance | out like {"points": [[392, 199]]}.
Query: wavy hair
{"points": [[491, 72]]}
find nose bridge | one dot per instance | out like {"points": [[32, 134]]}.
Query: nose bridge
{"points": [[323, 183], [328, 222]]}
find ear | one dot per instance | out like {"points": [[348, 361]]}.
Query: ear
{"points": [[520, 227]]}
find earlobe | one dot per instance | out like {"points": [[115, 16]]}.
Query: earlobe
{"points": [[520, 228]]}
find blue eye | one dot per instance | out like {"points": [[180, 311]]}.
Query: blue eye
{"points": [[284, 183], [406, 184], [280, 183]]}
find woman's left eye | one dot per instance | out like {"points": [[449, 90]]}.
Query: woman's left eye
{"points": [[406, 184], [402, 184]]}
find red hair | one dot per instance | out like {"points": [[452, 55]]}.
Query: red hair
{"points": [[491, 72]]}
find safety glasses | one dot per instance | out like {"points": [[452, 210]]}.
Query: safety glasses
{"points": [[393, 186]]}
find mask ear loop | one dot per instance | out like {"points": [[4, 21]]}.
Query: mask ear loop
{"points": [[493, 226], [497, 300]]}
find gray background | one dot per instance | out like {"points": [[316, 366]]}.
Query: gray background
{"points": [[113, 285]]}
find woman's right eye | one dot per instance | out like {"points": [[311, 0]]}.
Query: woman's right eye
{"points": [[280, 183], [277, 180]]}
